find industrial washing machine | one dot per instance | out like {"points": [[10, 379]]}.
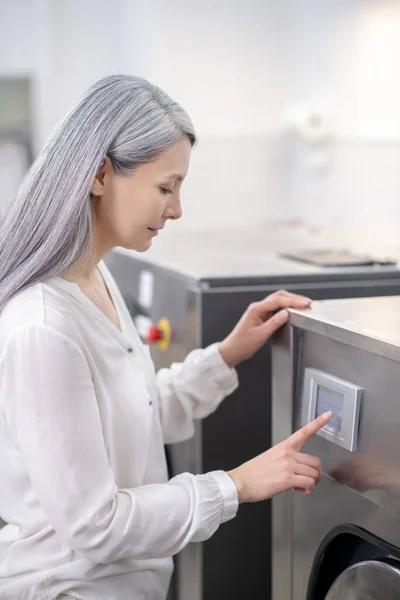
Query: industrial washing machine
{"points": [[343, 541], [188, 292]]}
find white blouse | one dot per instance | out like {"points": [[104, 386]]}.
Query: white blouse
{"points": [[83, 478]]}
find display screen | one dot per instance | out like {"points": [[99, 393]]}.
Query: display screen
{"points": [[328, 399]]}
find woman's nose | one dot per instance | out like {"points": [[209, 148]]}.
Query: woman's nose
{"points": [[174, 209]]}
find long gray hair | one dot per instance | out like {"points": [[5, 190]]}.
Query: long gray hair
{"points": [[49, 227]]}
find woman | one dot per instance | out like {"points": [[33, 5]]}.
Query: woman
{"points": [[84, 418]]}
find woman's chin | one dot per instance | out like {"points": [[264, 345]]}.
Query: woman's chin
{"points": [[137, 246]]}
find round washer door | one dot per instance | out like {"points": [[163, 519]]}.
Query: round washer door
{"points": [[367, 580]]}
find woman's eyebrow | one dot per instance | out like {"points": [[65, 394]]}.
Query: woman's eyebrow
{"points": [[176, 176]]}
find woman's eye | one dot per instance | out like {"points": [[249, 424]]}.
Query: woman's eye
{"points": [[166, 191]]}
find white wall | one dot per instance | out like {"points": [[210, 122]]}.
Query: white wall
{"points": [[345, 55], [17, 37], [220, 59], [237, 66]]}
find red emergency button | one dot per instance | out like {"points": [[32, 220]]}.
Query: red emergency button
{"points": [[160, 334], [154, 334]]}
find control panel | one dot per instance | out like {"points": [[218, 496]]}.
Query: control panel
{"points": [[323, 392]]}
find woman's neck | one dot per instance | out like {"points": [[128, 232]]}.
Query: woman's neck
{"points": [[87, 272]]}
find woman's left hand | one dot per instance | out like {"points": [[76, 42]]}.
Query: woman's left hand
{"points": [[257, 325]]}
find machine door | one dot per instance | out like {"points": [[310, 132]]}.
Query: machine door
{"points": [[367, 580]]}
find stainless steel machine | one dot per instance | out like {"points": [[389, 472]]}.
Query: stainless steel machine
{"points": [[193, 290], [343, 541]]}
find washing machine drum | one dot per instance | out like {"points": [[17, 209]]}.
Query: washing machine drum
{"points": [[369, 580]]}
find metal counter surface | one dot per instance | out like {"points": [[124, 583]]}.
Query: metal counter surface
{"points": [[252, 256], [371, 324]]}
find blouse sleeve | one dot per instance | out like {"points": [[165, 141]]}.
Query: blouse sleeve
{"points": [[49, 401], [193, 390]]}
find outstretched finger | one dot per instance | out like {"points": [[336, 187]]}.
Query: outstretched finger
{"points": [[301, 436]]}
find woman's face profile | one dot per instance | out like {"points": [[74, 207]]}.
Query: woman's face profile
{"points": [[131, 210]]}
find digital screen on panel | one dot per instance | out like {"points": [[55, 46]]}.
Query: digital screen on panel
{"points": [[328, 399]]}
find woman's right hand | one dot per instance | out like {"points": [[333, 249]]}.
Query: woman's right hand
{"points": [[282, 467]]}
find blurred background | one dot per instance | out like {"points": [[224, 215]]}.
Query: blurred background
{"points": [[296, 102]]}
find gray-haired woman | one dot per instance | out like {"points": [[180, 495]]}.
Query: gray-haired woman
{"points": [[83, 416]]}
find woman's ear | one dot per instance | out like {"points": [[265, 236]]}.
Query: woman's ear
{"points": [[98, 184]]}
